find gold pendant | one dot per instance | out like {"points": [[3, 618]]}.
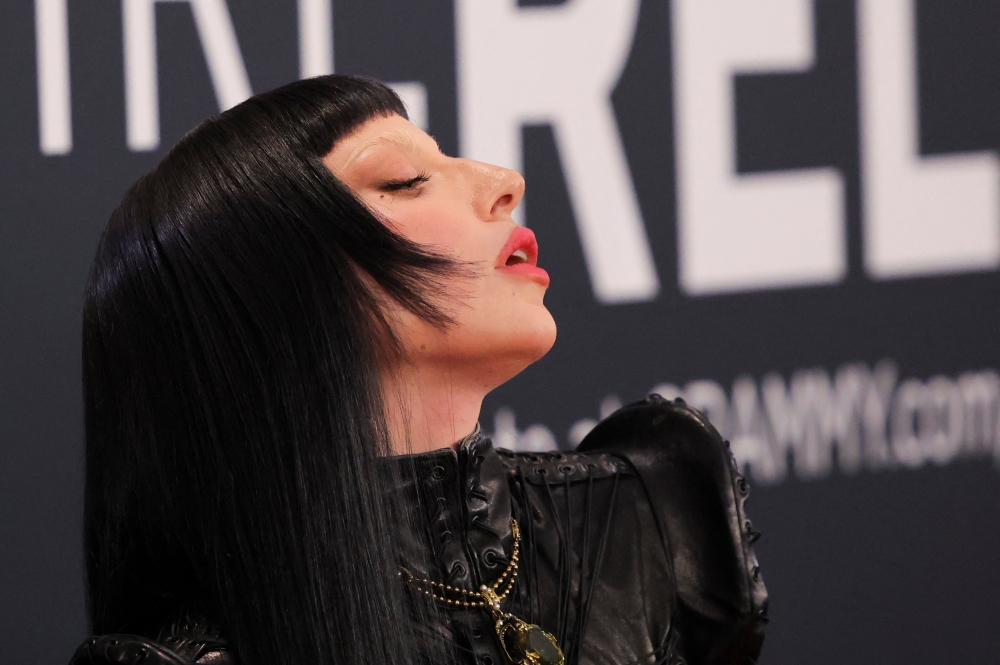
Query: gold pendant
{"points": [[525, 643]]}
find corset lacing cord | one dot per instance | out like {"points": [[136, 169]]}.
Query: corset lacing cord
{"points": [[571, 643], [585, 607], [564, 564], [529, 588], [574, 651], [564, 618]]}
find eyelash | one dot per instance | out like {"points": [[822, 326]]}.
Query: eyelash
{"points": [[398, 185]]}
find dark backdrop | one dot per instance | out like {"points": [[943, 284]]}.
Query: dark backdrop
{"points": [[864, 409]]}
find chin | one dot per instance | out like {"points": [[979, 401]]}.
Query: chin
{"points": [[531, 339], [496, 345], [545, 335]]}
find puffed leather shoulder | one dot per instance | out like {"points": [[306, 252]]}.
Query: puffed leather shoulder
{"points": [[188, 640], [124, 650], [136, 650], [698, 496]]}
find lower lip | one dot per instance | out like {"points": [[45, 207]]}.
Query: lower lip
{"points": [[527, 270]]}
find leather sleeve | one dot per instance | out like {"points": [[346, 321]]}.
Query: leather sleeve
{"points": [[124, 650], [698, 497], [136, 650], [188, 640]]}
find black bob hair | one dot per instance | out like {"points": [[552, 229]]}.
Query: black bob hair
{"points": [[234, 329]]}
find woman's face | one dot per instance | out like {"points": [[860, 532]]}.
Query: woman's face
{"points": [[460, 208]]}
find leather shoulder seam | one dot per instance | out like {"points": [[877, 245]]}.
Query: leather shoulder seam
{"points": [[561, 467]]}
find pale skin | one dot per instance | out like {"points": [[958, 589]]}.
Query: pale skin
{"points": [[461, 208]]}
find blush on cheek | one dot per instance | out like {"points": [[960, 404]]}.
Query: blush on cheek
{"points": [[432, 227]]}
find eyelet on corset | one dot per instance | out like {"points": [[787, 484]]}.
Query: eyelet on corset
{"points": [[437, 472], [566, 469], [445, 537], [486, 659], [457, 571], [490, 558]]}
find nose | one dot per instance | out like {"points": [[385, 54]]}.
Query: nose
{"points": [[498, 191]]}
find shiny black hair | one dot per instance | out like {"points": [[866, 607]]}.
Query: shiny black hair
{"points": [[234, 329]]}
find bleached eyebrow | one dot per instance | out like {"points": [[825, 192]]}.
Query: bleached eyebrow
{"points": [[398, 138]]}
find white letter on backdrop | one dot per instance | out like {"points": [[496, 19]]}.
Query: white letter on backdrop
{"points": [[921, 215], [559, 65], [55, 118], [752, 231], [315, 37], [414, 97], [222, 54]]}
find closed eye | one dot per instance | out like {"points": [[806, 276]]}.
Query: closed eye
{"points": [[399, 185]]}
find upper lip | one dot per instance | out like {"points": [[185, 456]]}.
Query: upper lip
{"points": [[520, 238]]}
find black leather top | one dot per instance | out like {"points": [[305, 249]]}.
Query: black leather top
{"points": [[636, 548]]}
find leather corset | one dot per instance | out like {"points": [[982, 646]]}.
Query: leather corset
{"points": [[635, 548]]}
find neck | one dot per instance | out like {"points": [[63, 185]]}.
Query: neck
{"points": [[428, 408]]}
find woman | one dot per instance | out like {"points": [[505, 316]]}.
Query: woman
{"points": [[289, 328]]}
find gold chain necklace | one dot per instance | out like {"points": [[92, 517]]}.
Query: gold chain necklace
{"points": [[525, 643]]}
